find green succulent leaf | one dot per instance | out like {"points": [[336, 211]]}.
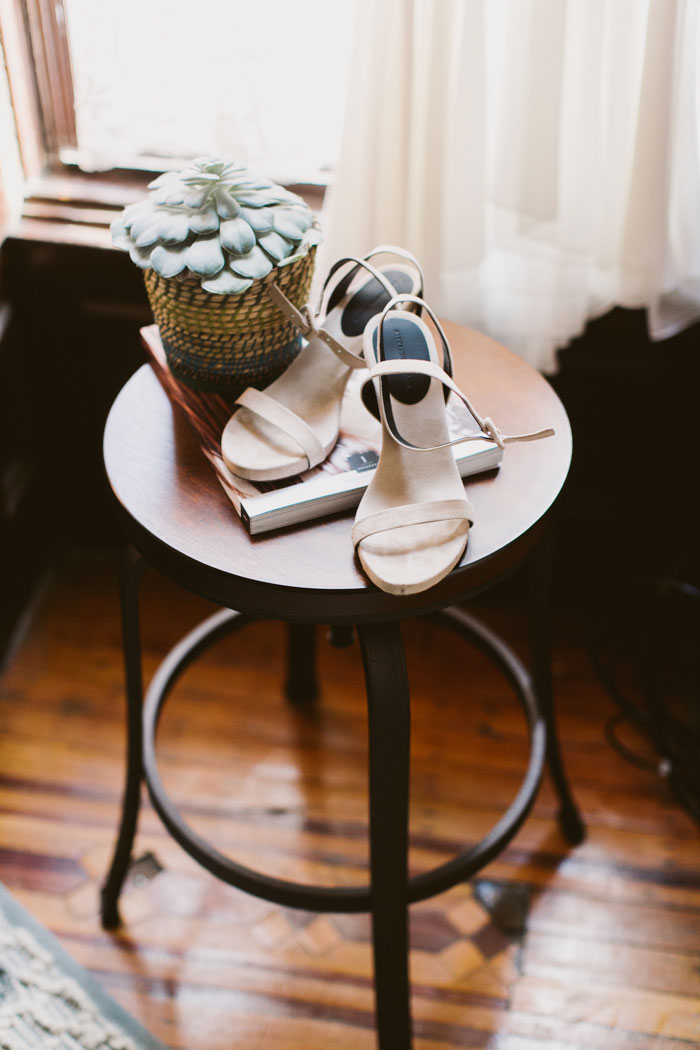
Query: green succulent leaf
{"points": [[259, 219], [301, 217], [132, 211], [205, 220], [173, 227], [169, 195], [302, 250], [253, 198], [255, 264], [120, 237], [149, 236], [226, 205], [205, 257], [197, 197], [275, 246], [312, 237], [140, 256], [286, 226], [164, 179], [226, 283], [199, 178], [212, 164], [169, 262], [142, 221], [233, 173], [282, 196], [236, 236]]}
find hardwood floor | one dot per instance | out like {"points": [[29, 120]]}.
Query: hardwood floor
{"points": [[593, 948]]}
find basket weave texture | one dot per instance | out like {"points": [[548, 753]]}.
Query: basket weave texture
{"points": [[225, 343]]}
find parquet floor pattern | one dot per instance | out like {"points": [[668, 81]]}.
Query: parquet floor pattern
{"points": [[550, 948]]}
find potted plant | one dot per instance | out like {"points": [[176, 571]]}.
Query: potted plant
{"points": [[210, 240]]}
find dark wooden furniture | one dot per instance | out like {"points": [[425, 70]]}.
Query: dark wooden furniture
{"points": [[181, 523]]}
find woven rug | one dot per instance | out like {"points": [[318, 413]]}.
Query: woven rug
{"points": [[48, 1001]]}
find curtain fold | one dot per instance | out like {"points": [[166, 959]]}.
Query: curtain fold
{"points": [[541, 157]]}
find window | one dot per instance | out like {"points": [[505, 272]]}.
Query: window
{"points": [[261, 81], [105, 92]]}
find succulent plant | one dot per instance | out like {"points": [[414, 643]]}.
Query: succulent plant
{"points": [[218, 221]]}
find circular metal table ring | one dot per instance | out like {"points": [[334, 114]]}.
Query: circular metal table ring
{"points": [[332, 898]]}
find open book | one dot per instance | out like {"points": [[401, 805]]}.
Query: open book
{"points": [[335, 485]]}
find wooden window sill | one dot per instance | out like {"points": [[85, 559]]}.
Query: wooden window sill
{"points": [[75, 208]]}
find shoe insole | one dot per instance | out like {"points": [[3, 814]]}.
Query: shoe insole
{"points": [[369, 300], [401, 339], [406, 559]]}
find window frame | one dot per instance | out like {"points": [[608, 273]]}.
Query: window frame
{"points": [[35, 45], [61, 202]]}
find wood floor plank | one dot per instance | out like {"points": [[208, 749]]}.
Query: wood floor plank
{"points": [[583, 958], [635, 924], [608, 952], [645, 1012]]}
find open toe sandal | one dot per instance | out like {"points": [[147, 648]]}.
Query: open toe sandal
{"points": [[412, 524], [292, 425]]}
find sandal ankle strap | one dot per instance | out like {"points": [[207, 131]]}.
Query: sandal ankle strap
{"points": [[414, 366], [306, 321], [381, 249], [308, 324]]}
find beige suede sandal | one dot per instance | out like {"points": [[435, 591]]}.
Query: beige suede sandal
{"points": [[292, 425], [412, 525]]}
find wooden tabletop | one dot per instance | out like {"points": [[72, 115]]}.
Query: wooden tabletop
{"points": [[176, 513]]}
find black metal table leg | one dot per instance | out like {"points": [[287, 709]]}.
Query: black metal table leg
{"points": [[132, 572], [389, 748], [301, 686], [541, 643]]}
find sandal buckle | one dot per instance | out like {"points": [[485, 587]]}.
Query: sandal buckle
{"points": [[493, 432]]}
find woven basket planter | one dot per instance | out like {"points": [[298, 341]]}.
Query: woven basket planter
{"points": [[211, 240], [225, 343]]}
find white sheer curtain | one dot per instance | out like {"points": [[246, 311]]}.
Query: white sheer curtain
{"points": [[540, 156]]}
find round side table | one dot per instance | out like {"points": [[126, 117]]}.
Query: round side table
{"points": [[180, 522]]}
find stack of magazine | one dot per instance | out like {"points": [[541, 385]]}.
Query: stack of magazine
{"points": [[335, 485]]}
